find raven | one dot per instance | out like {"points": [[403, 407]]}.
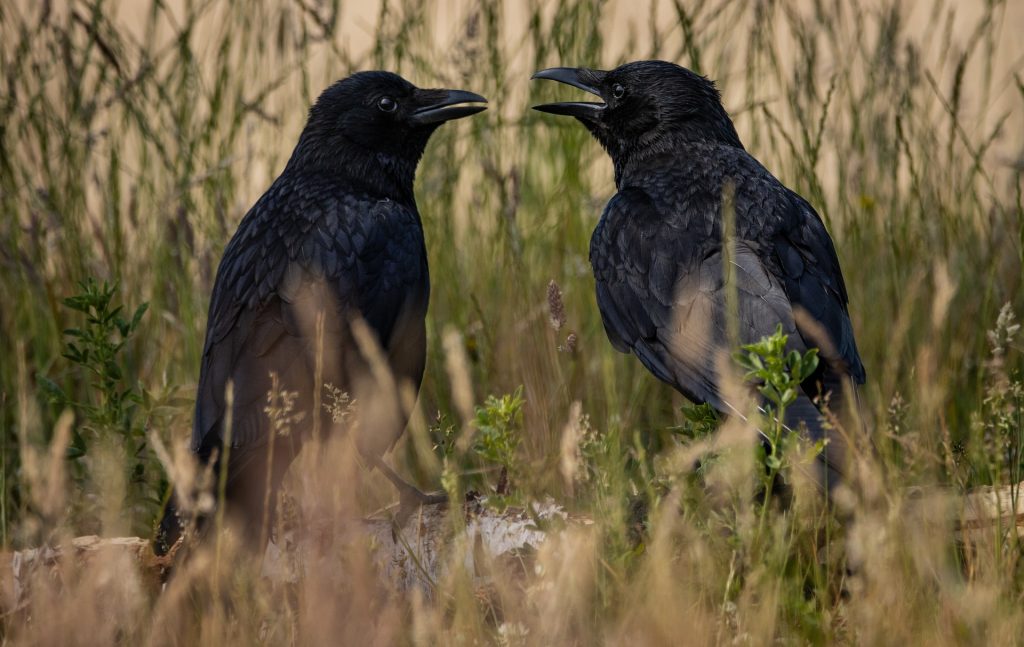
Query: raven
{"points": [[336, 239], [659, 249]]}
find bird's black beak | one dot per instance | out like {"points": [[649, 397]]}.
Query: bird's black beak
{"points": [[438, 106], [582, 78]]}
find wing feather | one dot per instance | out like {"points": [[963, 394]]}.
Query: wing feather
{"points": [[272, 284], [669, 308]]}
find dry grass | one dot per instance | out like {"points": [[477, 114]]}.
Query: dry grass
{"points": [[133, 137]]}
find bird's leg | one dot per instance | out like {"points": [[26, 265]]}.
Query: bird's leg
{"points": [[409, 496]]}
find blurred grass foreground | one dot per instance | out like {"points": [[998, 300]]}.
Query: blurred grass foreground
{"points": [[135, 134]]}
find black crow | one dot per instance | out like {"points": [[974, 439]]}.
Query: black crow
{"points": [[658, 250], [336, 239]]}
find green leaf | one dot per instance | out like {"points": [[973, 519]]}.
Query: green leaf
{"points": [[77, 448], [79, 303], [137, 317], [51, 389], [112, 315], [113, 370]]}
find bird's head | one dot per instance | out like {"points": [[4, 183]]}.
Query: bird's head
{"points": [[378, 118], [646, 107]]}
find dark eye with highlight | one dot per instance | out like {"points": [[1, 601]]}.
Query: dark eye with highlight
{"points": [[387, 104], [618, 91]]}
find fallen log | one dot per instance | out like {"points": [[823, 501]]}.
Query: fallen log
{"points": [[410, 556], [992, 508]]}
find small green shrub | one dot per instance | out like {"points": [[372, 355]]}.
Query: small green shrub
{"points": [[778, 375], [111, 410], [499, 424]]}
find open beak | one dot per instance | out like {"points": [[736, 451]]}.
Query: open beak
{"points": [[445, 105], [582, 78]]}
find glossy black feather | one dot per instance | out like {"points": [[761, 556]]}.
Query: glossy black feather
{"points": [[336, 239], [657, 260], [309, 245], [659, 255]]}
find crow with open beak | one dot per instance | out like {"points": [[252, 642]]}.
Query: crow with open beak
{"points": [[662, 264]]}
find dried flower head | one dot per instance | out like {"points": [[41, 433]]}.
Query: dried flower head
{"points": [[556, 309]]}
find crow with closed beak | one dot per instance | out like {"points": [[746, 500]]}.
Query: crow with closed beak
{"points": [[335, 244], [659, 249]]}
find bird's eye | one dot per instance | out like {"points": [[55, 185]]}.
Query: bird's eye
{"points": [[387, 104], [618, 91]]}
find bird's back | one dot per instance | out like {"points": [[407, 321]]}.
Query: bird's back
{"points": [[311, 256], [658, 259]]}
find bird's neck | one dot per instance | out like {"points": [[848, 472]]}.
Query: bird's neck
{"points": [[382, 175], [635, 167], [671, 151], [375, 173]]}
